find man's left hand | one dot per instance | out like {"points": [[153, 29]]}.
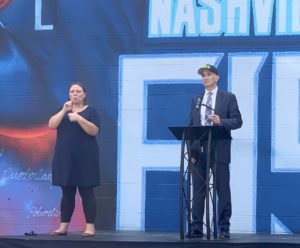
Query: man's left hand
{"points": [[215, 119]]}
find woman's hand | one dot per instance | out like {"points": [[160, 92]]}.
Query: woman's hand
{"points": [[67, 106], [74, 117], [56, 119]]}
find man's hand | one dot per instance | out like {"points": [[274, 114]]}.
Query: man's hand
{"points": [[215, 119], [193, 161]]}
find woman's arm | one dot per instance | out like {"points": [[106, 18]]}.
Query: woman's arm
{"points": [[56, 119], [89, 127]]}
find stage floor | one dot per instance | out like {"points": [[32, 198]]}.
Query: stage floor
{"points": [[124, 239]]}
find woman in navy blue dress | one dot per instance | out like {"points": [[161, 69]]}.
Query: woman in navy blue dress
{"points": [[76, 158]]}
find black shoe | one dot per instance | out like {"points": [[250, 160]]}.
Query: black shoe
{"points": [[197, 234], [225, 235]]}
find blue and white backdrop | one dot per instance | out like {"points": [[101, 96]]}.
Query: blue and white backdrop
{"points": [[139, 61]]}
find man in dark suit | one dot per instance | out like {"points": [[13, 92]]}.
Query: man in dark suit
{"points": [[222, 110]]}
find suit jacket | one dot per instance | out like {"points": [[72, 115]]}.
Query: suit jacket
{"points": [[227, 108]]}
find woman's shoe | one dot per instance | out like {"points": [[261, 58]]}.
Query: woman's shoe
{"points": [[87, 234], [56, 233]]}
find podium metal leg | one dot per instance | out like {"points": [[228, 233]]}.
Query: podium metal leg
{"points": [[207, 198], [181, 186], [214, 200], [188, 192], [214, 189], [215, 172]]}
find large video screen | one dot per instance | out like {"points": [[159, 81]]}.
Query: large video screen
{"points": [[138, 60]]}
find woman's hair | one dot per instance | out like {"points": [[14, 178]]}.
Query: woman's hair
{"points": [[82, 87]]}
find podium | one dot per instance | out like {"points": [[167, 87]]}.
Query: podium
{"points": [[210, 136]]}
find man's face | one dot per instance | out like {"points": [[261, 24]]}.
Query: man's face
{"points": [[209, 79]]}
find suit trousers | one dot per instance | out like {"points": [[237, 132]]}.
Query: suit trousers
{"points": [[199, 192]]}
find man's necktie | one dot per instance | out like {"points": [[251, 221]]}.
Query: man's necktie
{"points": [[208, 111]]}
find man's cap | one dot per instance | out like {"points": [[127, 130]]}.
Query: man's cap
{"points": [[209, 68]]}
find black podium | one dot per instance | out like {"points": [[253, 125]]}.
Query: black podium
{"points": [[210, 136]]}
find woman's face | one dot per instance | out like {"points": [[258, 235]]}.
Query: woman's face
{"points": [[76, 94]]}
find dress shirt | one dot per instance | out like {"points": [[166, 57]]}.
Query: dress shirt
{"points": [[213, 103]]}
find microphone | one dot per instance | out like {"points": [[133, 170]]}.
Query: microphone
{"points": [[198, 104]]}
